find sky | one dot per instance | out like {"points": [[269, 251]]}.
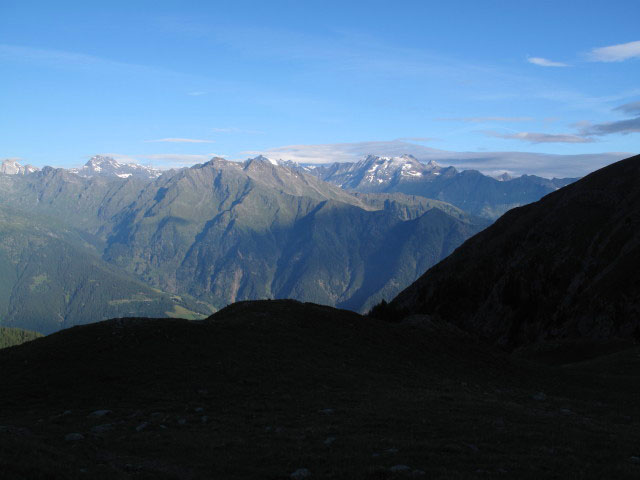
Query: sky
{"points": [[541, 87]]}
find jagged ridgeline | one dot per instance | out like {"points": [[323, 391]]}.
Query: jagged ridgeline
{"points": [[93, 246], [469, 190]]}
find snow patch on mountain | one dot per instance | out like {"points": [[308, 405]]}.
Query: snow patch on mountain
{"points": [[100, 165]]}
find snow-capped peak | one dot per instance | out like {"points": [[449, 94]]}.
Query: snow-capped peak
{"points": [[10, 166], [262, 158], [102, 165]]}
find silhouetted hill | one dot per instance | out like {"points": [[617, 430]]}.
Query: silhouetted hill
{"points": [[263, 389], [563, 268]]}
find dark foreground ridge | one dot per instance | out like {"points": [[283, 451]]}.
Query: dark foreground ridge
{"points": [[265, 389], [565, 268]]}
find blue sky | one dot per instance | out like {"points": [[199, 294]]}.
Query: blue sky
{"points": [[172, 83]]}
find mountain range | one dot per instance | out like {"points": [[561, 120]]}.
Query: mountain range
{"points": [[212, 234], [468, 190]]}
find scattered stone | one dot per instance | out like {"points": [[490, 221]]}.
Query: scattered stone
{"points": [[182, 421], [327, 411], [100, 413], [73, 437], [204, 419], [102, 428], [566, 411], [392, 451], [329, 441], [66, 412], [635, 460], [540, 396], [199, 410], [163, 427], [300, 473], [156, 414], [400, 469], [473, 447], [142, 426]]}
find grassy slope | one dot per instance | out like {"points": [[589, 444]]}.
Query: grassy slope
{"points": [[16, 336], [50, 278], [264, 373]]}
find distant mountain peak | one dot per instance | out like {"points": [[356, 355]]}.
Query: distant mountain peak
{"points": [[263, 159], [503, 177], [11, 166], [432, 164], [102, 160], [469, 190], [106, 166]]}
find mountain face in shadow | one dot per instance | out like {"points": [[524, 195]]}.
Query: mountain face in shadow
{"points": [[565, 267], [468, 190], [264, 389]]}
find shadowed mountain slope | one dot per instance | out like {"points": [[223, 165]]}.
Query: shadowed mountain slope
{"points": [[565, 267], [262, 389]]}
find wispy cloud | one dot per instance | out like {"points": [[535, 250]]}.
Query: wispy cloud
{"points": [[196, 94], [180, 158], [235, 130], [624, 127], [535, 137], [519, 163], [632, 108], [419, 139], [615, 53], [544, 62], [488, 119], [180, 140], [74, 60]]}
